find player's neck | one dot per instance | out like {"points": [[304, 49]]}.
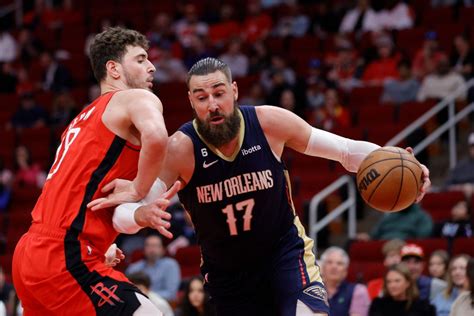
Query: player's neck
{"points": [[107, 86], [229, 148]]}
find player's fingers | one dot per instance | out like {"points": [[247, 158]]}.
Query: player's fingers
{"points": [[172, 191], [162, 203], [165, 232], [95, 205], [165, 215], [109, 186], [409, 149]]}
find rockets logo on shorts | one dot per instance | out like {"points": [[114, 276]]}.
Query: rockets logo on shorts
{"points": [[107, 295]]}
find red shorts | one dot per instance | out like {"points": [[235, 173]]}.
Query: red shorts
{"points": [[56, 273]]}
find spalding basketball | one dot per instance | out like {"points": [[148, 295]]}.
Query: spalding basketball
{"points": [[389, 179]]}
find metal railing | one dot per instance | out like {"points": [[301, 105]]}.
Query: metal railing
{"points": [[346, 180]]}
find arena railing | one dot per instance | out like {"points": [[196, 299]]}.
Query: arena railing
{"points": [[349, 204]]}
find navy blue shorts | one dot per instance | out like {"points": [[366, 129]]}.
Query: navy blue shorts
{"points": [[273, 289]]}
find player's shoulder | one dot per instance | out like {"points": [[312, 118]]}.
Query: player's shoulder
{"points": [[180, 144], [272, 116]]}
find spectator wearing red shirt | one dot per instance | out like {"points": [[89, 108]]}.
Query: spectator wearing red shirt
{"points": [[427, 58], [385, 67], [257, 24], [332, 114]]}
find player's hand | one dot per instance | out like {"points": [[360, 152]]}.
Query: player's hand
{"points": [[425, 177], [154, 214], [123, 191], [113, 256]]}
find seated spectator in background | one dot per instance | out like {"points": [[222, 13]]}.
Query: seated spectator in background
{"points": [[413, 256], [344, 298], [385, 67], [196, 50], [6, 182], [400, 296], [401, 90], [412, 222], [457, 282], [462, 176], [227, 26], [8, 78], [8, 45], [396, 15], [142, 281], [462, 57], [28, 115], [189, 26], [27, 172], [196, 300], [391, 251], [287, 100], [237, 61], [427, 58], [458, 226], [56, 77], [168, 67], [360, 19], [64, 110], [464, 303], [259, 58], [293, 23], [257, 24], [438, 264], [440, 84], [24, 84], [164, 272], [255, 96], [278, 66], [332, 114], [343, 65]]}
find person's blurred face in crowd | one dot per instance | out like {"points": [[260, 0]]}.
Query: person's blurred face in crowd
{"points": [[415, 265], [393, 257], [458, 272], [397, 285], [334, 267], [196, 293], [437, 267], [153, 249]]}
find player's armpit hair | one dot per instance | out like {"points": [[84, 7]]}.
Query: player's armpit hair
{"points": [[348, 152]]}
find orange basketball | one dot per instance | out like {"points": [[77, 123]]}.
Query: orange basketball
{"points": [[389, 179]]}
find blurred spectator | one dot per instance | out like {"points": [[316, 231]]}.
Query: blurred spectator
{"points": [[400, 296], [278, 66], [397, 15], [27, 172], [391, 252], [462, 57], [197, 50], [8, 78], [438, 3], [427, 58], [462, 176], [189, 27], [401, 90], [326, 19], [315, 85], [29, 114], [7, 295], [56, 77], [464, 304], [360, 19], [293, 23], [103, 25], [24, 84], [142, 281], [287, 100], [237, 61], [457, 282], [196, 300], [6, 181], [332, 114], [458, 226], [29, 46], [227, 26], [64, 110], [344, 298], [413, 256], [257, 24], [8, 45], [259, 58], [163, 271], [254, 96], [181, 227], [438, 264], [385, 67], [412, 222], [440, 84], [343, 65], [161, 31], [169, 68]]}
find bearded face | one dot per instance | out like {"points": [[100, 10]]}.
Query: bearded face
{"points": [[219, 134]]}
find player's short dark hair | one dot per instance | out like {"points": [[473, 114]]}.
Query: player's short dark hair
{"points": [[209, 65], [112, 44]]}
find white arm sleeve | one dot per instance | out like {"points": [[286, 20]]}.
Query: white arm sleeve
{"points": [[348, 152], [124, 214]]}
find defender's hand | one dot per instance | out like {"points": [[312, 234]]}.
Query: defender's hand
{"points": [[113, 256], [425, 178], [124, 191]]}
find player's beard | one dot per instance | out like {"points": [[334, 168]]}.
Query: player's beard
{"points": [[133, 83], [218, 135]]}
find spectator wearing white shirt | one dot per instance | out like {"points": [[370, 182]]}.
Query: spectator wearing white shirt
{"points": [[361, 18], [8, 46], [396, 16]]}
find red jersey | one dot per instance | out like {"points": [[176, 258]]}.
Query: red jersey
{"points": [[89, 156]]}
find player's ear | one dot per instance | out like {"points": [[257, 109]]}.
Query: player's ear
{"points": [[235, 89], [113, 69], [189, 98]]}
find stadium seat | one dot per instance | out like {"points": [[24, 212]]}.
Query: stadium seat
{"points": [[430, 244], [366, 250], [376, 115], [364, 271], [189, 259], [365, 96], [463, 245]]}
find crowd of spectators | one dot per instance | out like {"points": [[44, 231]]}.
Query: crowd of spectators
{"points": [[305, 56]]}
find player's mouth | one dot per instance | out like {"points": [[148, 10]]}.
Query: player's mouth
{"points": [[150, 83], [216, 120]]}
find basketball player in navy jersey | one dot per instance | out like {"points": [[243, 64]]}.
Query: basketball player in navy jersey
{"points": [[256, 257]]}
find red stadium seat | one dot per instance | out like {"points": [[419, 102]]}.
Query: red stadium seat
{"points": [[364, 271], [430, 244], [441, 202], [189, 259], [365, 96], [463, 245], [367, 250], [376, 115]]}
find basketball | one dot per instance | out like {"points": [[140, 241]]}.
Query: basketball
{"points": [[389, 179]]}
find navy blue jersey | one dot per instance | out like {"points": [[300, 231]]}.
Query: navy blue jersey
{"points": [[241, 205]]}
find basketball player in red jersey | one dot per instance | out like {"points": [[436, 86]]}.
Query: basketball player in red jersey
{"points": [[58, 265]]}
